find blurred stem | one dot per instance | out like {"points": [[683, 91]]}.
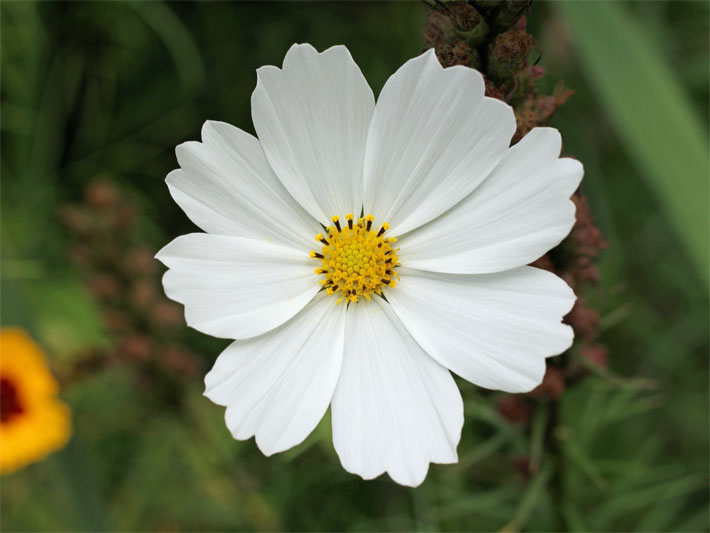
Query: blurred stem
{"points": [[556, 453], [537, 438], [530, 499]]}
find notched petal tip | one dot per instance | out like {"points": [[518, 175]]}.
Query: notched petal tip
{"points": [[297, 48], [528, 381], [263, 75], [525, 389], [336, 48], [568, 343], [269, 449], [544, 133], [173, 176], [575, 170], [303, 51], [544, 140], [569, 295], [165, 253], [292, 52], [506, 113], [396, 477], [407, 481], [207, 393], [186, 150], [211, 126], [161, 255], [430, 54]]}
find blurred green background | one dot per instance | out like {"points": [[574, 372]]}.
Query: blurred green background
{"points": [[97, 95]]}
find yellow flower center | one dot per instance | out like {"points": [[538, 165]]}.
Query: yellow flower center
{"points": [[356, 260]]}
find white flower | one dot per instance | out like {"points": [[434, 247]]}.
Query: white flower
{"points": [[432, 159]]}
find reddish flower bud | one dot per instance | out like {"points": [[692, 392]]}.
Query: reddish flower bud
{"points": [[168, 314], [143, 294], [552, 386], [179, 360], [583, 319], [493, 91], [137, 347], [81, 255], [101, 195], [76, 219], [125, 217], [522, 465], [103, 286], [140, 261], [536, 71], [596, 353], [514, 408], [116, 321]]}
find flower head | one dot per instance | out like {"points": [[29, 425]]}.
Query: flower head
{"points": [[33, 422], [424, 218]]}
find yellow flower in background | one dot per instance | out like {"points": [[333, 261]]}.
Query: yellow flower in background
{"points": [[33, 422]]}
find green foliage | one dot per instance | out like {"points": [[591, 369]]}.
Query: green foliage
{"points": [[108, 89], [654, 117]]}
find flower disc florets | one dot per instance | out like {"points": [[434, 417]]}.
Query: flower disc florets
{"points": [[355, 259]]}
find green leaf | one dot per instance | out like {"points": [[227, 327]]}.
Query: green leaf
{"points": [[650, 112], [177, 39], [66, 318]]}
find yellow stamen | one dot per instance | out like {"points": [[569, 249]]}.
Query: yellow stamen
{"points": [[335, 220], [356, 260]]}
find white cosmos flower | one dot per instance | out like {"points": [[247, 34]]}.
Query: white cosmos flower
{"points": [[433, 159]]}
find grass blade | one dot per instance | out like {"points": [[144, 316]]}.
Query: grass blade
{"points": [[651, 113]]}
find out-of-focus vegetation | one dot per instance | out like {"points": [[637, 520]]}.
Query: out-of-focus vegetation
{"points": [[666, 142], [94, 98]]}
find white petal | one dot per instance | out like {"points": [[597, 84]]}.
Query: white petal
{"points": [[278, 386], [226, 186], [495, 330], [434, 137], [395, 409], [518, 213], [312, 118], [236, 288]]}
